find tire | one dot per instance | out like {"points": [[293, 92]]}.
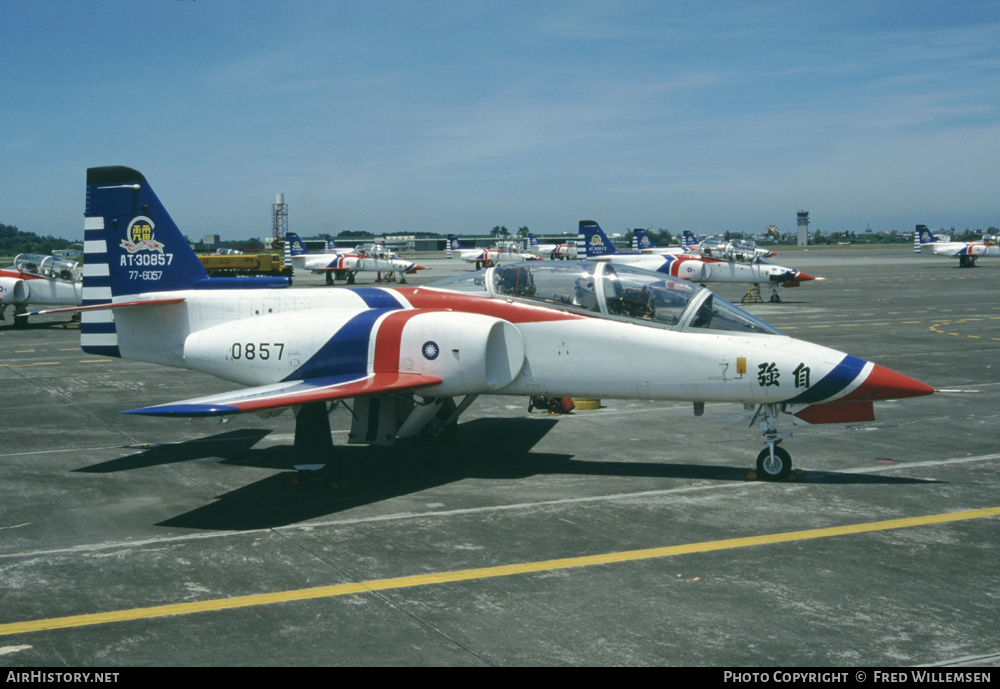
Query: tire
{"points": [[776, 469]]}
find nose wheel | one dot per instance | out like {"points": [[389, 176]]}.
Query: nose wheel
{"points": [[774, 463]]}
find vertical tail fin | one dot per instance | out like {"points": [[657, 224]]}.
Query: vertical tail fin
{"points": [[452, 244], [131, 246], [294, 245], [331, 245], [532, 240], [922, 235], [641, 241], [130, 241], [591, 241], [689, 239]]}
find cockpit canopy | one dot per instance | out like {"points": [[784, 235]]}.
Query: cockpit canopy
{"points": [[612, 291], [373, 251], [51, 267]]}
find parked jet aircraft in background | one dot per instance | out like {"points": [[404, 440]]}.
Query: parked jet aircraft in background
{"points": [[709, 248], [554, 251], [485, 257], [965, 252], [712, 263], [38, 279], [345, 265], [642, 243], [405, 354], [376, 249]]}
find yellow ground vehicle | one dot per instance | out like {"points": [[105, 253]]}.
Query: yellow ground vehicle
{"points": [[244, 264]]}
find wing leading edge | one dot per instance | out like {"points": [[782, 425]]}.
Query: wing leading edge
{"points": [[291, 393]]}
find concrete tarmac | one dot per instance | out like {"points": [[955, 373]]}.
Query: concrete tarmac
{"points": [[627, 535]]}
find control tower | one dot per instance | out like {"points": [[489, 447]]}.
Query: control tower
{"points": [[803, 234], [280, 212]]}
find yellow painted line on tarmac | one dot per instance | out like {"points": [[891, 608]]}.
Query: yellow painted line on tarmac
{"points": [[58, 363], [481, 573]]}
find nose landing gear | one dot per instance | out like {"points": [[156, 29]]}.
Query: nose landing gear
{"points": [[773, 463]]}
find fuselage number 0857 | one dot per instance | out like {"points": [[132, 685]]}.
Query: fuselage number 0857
{"points": [[250, 351]]}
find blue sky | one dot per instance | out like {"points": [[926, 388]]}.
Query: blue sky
{"points": [[458, 116]]}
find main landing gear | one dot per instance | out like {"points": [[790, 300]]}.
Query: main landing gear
{"points": [[376, 420], [313, 440], [773, 463], [753, 295], [389, 277]]}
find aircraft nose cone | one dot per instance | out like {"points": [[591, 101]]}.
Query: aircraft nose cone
{"points": [[885, 384], [800, 276]]}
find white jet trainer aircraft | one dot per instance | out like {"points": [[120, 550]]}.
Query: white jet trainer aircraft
{"points": [[406, 354], [554, 251], [965, 252], [344, 265], [484, 258], [713, 261], [38, 279]]}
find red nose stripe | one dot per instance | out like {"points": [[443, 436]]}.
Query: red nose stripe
{"points": [[802, 276], [885, 384]]}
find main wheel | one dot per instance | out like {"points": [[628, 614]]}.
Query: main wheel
{"points": [[776, 468], [436, 431], [316, 474]]}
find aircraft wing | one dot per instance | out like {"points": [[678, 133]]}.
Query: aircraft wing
{"points": [[291, 393], [110, 305]]}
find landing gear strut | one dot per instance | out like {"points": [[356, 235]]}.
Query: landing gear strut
{"points": [[773, 463], [313, 440], [20, 319]]}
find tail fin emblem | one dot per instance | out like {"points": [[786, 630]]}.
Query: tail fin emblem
{"points": [[139, 236]]}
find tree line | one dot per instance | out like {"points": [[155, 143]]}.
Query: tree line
{"points": [[14, 241]]}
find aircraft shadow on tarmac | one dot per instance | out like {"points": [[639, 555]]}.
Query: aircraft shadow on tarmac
{"points": [[233, 446], [374, 474]]}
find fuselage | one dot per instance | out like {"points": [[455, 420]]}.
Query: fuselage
{"points": [[960, 249], [700, 269], [351, 263], [693, 347]]}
